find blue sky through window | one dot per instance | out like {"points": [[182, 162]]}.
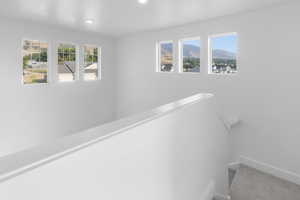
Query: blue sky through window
{"points": [[227, 43]]}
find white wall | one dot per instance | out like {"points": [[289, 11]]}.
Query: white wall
{"points": [[37, 113], [179, 151], [265, 93]]}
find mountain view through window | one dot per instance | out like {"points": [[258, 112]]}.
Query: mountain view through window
{"points": [[190, 55], [223, 54]]}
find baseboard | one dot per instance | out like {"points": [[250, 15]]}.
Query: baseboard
{"points": [[272, 170], [221, 197]]}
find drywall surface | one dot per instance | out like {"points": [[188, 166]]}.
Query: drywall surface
{"points": [[180, 154], [264, 93], [32, 114]]}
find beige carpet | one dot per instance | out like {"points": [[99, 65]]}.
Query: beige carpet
{"points": [[250, 184]]}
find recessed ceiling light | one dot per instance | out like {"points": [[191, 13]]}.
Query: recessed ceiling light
{"points": [[143, 1], [89, 21]]}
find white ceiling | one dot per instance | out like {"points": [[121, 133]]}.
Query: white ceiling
{"points": [[118, 17]]}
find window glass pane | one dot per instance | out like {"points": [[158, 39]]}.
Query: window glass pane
{"points": [[73, 57], [66, 62], [35, 62], [95, 59], [223, 54], [43, 57], [35, 57], [60, 50], [190, 55], [96, 52], [91, 65], [60, 58], [166, 57]]}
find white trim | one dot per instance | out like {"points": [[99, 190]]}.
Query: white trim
{"points": [[99, 63], [221, 197], [81, 63], [50, 63], [272, 170], [77, 61]]}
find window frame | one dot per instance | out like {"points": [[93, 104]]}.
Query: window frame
{"points": [[82, 62], [158, 56], [77, 61], [210, 56], [180, 54], [48, 62]]}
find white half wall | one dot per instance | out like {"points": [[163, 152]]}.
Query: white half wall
{"points": [[264, 93], [33, 114], [175, 152]]}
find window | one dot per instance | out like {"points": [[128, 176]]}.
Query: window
{"points": [[165, 56], [35, 62], [91, 62], [190, 55], [223, 54], [67, 63]]}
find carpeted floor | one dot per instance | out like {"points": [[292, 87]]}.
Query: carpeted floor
{"points": [[250, 184]]}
